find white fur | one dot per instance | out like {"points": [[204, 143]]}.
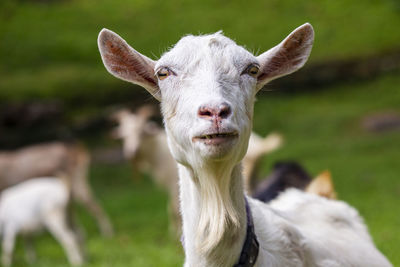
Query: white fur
{"points": [[32, 205], [211, 71]]}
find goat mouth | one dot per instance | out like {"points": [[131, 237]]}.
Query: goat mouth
{"points": [[215, 138]]}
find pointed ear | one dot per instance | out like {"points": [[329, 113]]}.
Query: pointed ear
{"points": [[126, 63], [288, 56], [322, 185]]}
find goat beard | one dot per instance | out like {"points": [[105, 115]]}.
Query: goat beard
{"points": [[218, 218]]}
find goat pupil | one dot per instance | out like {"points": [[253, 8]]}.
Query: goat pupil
{"points": [[254, 70]]}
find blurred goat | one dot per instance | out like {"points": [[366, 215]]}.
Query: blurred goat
{"points": [[290, 174], [32, 205], [145, 144], [50, 159], [284, 175]]}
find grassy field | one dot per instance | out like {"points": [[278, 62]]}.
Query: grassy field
{"points": [[322, 131]]}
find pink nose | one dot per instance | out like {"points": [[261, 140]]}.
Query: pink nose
{"points": [[217, 113]]}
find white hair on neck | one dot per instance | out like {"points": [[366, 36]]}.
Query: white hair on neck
{"points": [[217, 212]]}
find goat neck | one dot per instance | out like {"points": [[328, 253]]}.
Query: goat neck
{"points": [[214, 214]]}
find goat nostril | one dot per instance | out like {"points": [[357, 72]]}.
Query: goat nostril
{"points": [[224, 111], [205, 112]]}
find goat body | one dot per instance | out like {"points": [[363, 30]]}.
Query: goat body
{"points": [[207, 86], [52, 159], [32, 205]]}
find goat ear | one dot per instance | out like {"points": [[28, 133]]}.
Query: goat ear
{"points": [[288, 56], [126, 63], [322, 185], [118, 115]]}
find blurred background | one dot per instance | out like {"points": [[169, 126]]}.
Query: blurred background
{"points": [[341, 112]]}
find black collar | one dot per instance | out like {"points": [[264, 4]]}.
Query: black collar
{"points": [[250, 249]]}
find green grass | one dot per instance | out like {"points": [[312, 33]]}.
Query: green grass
{"points": [[50, 51], [322, 131]]}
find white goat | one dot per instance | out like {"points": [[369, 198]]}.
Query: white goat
{"points": [[145, 143], [207, 87], [32, 205], [50, 159]]}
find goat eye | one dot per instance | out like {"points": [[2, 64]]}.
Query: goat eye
{"points": [[252, 70], [163, 73]]}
